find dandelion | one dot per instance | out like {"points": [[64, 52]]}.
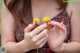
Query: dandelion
{"points": [[46, 19], [37, 20]]}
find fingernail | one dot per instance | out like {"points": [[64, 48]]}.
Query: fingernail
{"points": [[33, 22], [62, 24], [52, 22], [48, 23]]}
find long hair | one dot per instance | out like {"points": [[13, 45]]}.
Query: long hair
{"points": [[21, 10]]}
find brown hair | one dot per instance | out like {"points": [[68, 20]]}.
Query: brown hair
{"points": [[21, 10]]}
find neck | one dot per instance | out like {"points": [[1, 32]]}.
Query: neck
{"points": [[42, 2]]}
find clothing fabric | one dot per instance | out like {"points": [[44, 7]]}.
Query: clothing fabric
{"points": [[62, 16]]}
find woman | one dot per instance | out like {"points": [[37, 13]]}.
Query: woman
{"points": [[20, 34]]}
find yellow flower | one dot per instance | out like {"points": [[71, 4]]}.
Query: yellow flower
{"points": [[36, 20], [46, 19]]}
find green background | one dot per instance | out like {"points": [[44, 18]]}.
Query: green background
{"points": [[0, 19], [71, 0]]}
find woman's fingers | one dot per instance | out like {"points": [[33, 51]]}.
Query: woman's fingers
{"points": [[41, 35], [29, 27], [42, 41], [62, 27], [39, 29]]}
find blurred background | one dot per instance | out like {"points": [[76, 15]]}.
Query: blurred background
{"points": [[0, 20]]}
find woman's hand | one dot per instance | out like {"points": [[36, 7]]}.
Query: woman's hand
{"points": [[36, 38], [57, 36]]}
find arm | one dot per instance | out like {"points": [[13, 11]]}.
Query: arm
{"points": [[33, 39], [74, 45], [58, 33], [8, 26]]}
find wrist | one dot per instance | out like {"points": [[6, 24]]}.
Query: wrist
{"points": [[23, 46], [62, 48], [59, 49]]}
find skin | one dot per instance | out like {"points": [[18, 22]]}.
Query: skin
{"points": [[54, 37]]}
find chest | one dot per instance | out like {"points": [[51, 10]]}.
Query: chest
{"points": [[45, 10]]}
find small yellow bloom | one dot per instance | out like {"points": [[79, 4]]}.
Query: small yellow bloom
{"points": [[46, 19], [37, 20]]}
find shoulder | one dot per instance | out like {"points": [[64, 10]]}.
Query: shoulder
{"points": [[5, 11], [73, 7]]}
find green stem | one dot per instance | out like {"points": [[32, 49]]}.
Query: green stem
{"points": [[37, 50]]}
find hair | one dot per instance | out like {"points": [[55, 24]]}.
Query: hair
{"points": [[21, 10]]}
